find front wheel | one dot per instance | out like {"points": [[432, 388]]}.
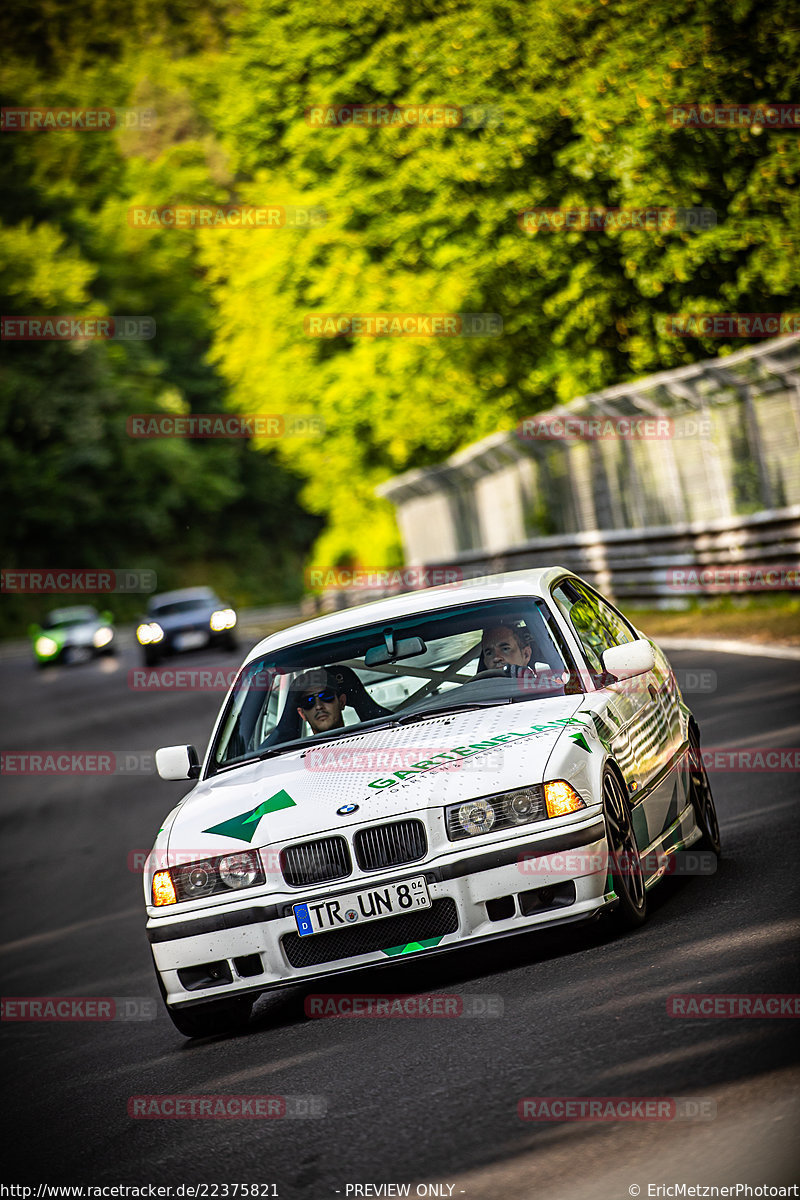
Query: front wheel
{"points": [[625, 866], [705, 813]]}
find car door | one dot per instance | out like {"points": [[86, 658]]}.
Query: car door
{"points": [[642, 744]]}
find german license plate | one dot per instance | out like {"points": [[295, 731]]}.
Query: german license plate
{"points": [[190, 641], [391, 900]]}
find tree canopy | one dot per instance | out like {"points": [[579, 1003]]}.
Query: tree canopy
{"points": [[567, 106]]}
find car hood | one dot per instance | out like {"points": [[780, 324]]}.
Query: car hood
{"points": [[385, 773]]}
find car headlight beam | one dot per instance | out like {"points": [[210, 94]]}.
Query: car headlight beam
{"points": [[149, 633], [223, 618]]}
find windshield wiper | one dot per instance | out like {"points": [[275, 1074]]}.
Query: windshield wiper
{"points": [[466, 706]]}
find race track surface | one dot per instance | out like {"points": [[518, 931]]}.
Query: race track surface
{"points": [[411, 1101]]}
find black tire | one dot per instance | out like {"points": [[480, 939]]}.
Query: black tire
{"points": [[705, 812], [151, 657], [627, 876], [209, 1020]]}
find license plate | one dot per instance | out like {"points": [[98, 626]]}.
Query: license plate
{"points": [[391, 900], [190, 641]]}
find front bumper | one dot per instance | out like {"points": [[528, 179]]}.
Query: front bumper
{"points": [[252, 945]]}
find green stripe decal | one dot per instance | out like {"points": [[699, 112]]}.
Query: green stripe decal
{"points": [[413, 947], [244, 826]]}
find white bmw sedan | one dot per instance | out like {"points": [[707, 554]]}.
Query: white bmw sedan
{"points": [[419, 774]]}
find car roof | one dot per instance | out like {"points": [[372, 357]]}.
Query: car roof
{"points": [[534, 582]]}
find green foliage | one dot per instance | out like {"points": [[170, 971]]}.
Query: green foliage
{"points": [[424, 219], [420, 220], [81, 491]]}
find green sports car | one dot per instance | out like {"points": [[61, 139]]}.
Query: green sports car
{"points": [[72, 635]]}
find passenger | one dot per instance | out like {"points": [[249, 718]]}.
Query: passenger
{"points": [[507, 646], [319, 703]]}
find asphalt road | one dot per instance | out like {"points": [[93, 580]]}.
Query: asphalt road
{"points": [[425, 1102]]}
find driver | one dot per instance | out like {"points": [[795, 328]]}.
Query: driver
{"points": [[319, 700], [507, 646]]}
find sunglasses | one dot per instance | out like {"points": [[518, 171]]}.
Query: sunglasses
{"points": [[309, 701]]}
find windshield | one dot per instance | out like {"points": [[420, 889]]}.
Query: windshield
{"points": [[478, 654], [61, 617], [174, 607]]}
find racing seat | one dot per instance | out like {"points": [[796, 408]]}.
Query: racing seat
{"points": [[357, 695]]}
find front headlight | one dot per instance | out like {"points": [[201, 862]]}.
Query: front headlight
{"points": [[45, 647], [149, 633], [223, 618], [506, 810], [208, 877], [102, 637]]}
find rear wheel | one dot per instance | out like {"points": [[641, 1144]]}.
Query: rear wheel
{"points": [[625, 866], [705, 813]]}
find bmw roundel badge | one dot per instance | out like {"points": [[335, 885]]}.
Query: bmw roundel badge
{"points": [[346, 809]]}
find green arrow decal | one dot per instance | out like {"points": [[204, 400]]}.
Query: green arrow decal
{"points": [[580, 740], [244, 826], [413, 947]]}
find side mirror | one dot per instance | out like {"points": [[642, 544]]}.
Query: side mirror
{"points": [[629, 659], [177, 762]]}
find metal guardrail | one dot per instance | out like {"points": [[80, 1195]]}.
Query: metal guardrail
{"points": [[662, 565]]}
